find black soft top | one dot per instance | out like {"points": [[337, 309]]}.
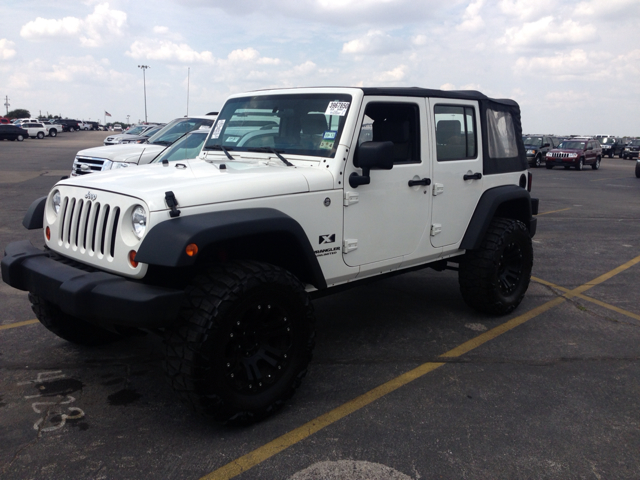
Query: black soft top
{"points": [[429, 92]]}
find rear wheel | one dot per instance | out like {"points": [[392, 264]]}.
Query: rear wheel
{"points": [[494, 278], [20, 138], [53, 132], [637, 169], [67, 327], [40, 135], [243, 342]]}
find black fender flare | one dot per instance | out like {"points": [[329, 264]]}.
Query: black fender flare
{"points": [[498, 201], [33, 219], [166, 242]]}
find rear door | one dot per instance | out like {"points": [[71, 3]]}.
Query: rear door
{"points": [[457, 168]]}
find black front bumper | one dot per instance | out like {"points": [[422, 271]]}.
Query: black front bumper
{"points": [[95, 296]]}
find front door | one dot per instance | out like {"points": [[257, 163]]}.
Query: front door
{"points": [[386, 219]]}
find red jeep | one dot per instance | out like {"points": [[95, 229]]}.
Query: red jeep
{"points": [[575, 152]]}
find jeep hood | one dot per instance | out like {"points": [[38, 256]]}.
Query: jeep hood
{"points": [[129, 153], [196, 182]]}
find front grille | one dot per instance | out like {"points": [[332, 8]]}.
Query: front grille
{"points": [[84, 165], [560, 155], [88, 226]]}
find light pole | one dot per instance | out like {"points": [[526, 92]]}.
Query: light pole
{"points": [[128, 119], [144, 83]]}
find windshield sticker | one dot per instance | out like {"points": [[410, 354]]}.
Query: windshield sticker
{"points": [[232, 139], [337, 108], [326, 144], [329, 135], [218, 129]]}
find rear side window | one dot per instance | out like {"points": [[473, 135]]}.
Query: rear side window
{"points": [[501, 135], [456, 137]]}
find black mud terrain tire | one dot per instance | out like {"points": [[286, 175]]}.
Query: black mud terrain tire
{"points": [[494, 278], [70, 328], [242, 343]]}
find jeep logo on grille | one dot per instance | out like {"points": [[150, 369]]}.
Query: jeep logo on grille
{"points": [[91, 196]]}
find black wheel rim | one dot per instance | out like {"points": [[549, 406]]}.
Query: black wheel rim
{"points": [[510, 268], [259, 347]]}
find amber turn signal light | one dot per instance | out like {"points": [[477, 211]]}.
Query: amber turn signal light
{"points": [[132, 258], [191, 250], [47, 232]]}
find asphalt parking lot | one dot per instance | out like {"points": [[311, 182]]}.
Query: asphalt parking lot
{"points": [[407, 382]]}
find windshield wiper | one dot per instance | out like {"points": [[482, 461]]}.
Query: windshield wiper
{"points": [[271, 150], [220, 147]]}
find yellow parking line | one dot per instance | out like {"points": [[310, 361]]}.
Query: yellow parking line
{"points": [[259, 455], [18, 324], [554, 211], [589, 299]]}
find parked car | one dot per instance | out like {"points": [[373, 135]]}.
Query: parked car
{"points": [[117, 127], [4, 121], [69, 125], [632, 149], [611, 146], [576, 153], [136, 130], [537, 147], [35, 130], [12, 132], [112, 157], [189, 146], [143, 137]]}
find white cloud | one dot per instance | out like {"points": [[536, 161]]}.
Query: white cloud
{"points": [[527, 9], [160, 30], [166, 50], [392, 76], [547, 32], [92, 31], [374, 42], [472, 20], [564, 66], [7, 49], [608, 8], [419, 40]]}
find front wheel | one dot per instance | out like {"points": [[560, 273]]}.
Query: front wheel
{"points": [[494, 278], [538, 161], [580, 164], [242, 343], [637, 169], [596, 166], [549, 166], [67, 327]]}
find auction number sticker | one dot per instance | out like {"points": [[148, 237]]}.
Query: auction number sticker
{"points": [[337, 108], [218, 129]]}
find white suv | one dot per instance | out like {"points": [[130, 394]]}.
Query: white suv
{"points": [[297, 193]]}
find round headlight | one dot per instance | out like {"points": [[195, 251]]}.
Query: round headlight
{"points": [[55, 200], [116, 165], [139, 221]]}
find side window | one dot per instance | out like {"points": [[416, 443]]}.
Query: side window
{"points": [[456, 137], [395, 122]]}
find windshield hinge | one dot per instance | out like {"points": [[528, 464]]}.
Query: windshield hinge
{"points": [[350, 198], [172, 203]]}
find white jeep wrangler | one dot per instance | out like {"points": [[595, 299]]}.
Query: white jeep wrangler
{"points": [[295, 193]]}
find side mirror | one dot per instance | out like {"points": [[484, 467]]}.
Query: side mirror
{"points": [[371, 155]]}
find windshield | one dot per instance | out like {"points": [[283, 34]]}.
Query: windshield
{"points": [[187, 147], [177, 128], [634, 142], [533, 141], [135, 130], [607, 141], [151, 131], [302, 124], [572, 145]]}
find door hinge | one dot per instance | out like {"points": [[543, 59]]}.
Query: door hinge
{"points": [[436, 228], [349, 245], [350, 198], [438, 188]]}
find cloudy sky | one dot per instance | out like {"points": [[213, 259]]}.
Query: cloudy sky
{"points": [[574, 66]]}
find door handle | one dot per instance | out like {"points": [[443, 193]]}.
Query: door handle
{"points": [[423, 181], [473, 176]]}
